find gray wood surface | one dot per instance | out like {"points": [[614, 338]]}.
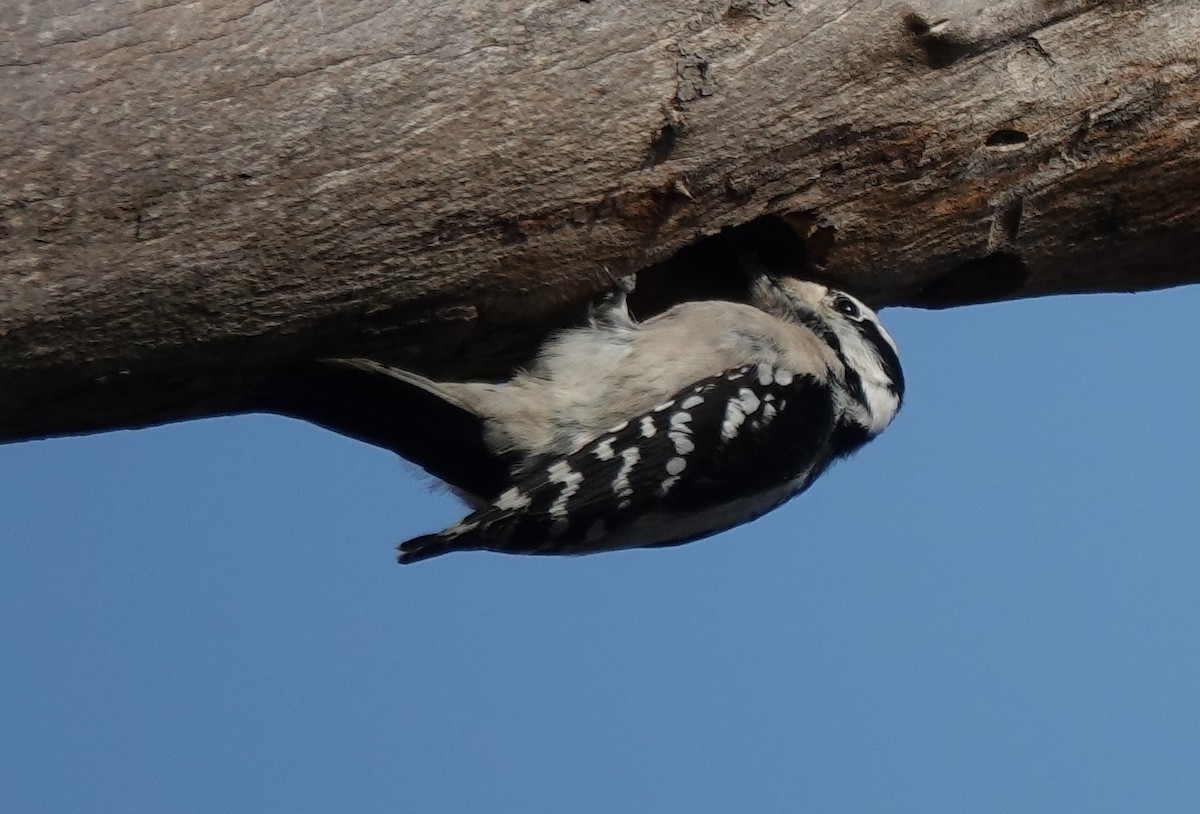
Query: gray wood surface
{"points": [[192, 194]]}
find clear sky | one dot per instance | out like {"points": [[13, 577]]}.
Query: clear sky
{"points": [[992, 608]]}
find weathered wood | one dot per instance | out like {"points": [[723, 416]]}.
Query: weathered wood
{"points": [[196, 193]]}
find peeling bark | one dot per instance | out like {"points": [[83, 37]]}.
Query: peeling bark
{"points": [[193, 195]]}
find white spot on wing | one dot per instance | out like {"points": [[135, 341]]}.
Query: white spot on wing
{"points": [[783, 377], [680, 433], [648, 429], [765, 374], [682, 443], [675, 466], [667, 484], [513, 500], [734, 416], [749, 401], [604, 450], [746, 403], [629, 458], [561, 472], [692, 401]]}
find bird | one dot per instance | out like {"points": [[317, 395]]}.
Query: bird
{"points": [[633, 434]]}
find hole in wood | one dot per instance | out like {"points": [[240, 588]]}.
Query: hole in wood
{"points": [[713, 268], [1006, 139], [935, 39], [663, 143], [1009, 221]]}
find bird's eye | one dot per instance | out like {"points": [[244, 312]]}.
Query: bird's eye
{"points": [[845, 305]]}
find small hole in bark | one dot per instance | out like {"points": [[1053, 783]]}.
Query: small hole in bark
{"points": [[663, 143], [511, 233], [1010, 219], [916, 24], [715, 267], [736, 14], [1007, 139], [820, 244], [940, 46]]}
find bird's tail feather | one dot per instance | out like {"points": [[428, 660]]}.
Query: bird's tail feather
{"points": [[423, 548], [394, 409]]}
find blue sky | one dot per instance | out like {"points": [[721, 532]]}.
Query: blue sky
{"points": [[992, 608]]}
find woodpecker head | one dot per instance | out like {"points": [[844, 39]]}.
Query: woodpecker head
{"points": [[874, 378]]}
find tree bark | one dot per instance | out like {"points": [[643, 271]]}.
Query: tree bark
{"points": [[195, 194]]}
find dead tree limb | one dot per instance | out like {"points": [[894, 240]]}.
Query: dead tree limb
{"points": [[193, 194]]}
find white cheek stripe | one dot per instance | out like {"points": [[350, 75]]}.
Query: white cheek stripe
{"points": [[880, 403]]}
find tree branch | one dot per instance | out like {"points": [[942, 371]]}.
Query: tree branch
{"points": [[194, 195]]}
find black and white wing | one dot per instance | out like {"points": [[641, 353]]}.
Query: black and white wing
{"points": [[718, 453]]}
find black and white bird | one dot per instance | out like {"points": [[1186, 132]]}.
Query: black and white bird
{"points": [[626, 434]]}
